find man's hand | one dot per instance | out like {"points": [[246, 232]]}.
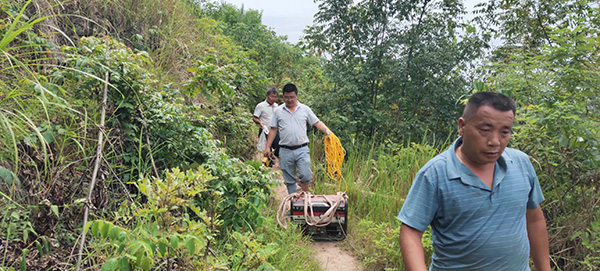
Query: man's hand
{"points": [[271, 136], [257, 121]]}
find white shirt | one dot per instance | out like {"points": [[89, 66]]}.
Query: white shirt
{"points": [[264, 112]]}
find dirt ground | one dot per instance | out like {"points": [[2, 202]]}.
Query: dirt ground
{"points": [[330, 254]]}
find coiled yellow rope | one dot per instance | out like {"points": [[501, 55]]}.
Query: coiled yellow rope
{"points": [[334, 154]]}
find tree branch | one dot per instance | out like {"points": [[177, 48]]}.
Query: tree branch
{"points": [[95, 172]]}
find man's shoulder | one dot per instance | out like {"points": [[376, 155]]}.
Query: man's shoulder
{"points": [[278, 109], [261, 104], [437, 163], [514, 154], [303, 106]]}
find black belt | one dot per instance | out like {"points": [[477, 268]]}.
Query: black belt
{"points": [[293, 147]]}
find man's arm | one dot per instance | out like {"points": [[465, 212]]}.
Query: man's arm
{"points": [[538, 239], [257, 121], [270, 138], [412, 248], [322, 127]]}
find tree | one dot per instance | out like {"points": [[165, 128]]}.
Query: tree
{"points": [[388, 59], [549, 64]]}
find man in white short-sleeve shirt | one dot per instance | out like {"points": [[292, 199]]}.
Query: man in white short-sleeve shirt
{"points": [[262, 116]]}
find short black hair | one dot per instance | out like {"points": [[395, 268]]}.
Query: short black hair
{"points": [[289, 87], [271, 90], [498, 101]]}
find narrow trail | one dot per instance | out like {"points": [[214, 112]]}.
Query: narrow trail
{"points": [[331, 256]]}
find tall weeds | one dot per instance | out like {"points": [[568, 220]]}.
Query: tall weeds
{"points": [[378, 179]]}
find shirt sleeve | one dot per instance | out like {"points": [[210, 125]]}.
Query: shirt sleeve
{"points": [[257, 111], [421, 203], [311, 117], [535, 195]]}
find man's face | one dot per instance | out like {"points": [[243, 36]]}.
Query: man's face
{"points": [[290, 99], [485, 135], [271, 98]]}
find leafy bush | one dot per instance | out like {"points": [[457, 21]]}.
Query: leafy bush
{"points": [[169, 230], [563, 144], [245, 192]]}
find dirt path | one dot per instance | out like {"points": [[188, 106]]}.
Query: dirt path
{"points": [[330, 254]]}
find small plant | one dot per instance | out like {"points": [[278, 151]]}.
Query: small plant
{"points": [[591, 241], [169, 230]]}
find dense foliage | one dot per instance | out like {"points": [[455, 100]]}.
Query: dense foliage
{"points": [[398, 67], [169, 192], [401, 70], [177, 188]]}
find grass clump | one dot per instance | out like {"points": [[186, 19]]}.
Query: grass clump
{"points": [[378, 179]]}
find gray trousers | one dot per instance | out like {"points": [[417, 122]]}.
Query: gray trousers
{"points": [[295, 166]]}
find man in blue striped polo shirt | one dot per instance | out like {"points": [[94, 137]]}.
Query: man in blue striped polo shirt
{"points": [[481, 199], [291, 120]]}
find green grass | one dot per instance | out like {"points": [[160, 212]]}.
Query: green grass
{"points": [[378, 179]]}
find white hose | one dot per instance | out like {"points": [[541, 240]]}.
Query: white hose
{"points": [[309, 217]]}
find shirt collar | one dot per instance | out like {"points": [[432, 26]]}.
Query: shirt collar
{"points": [[457, 170], [288, 110], [271, 105]]}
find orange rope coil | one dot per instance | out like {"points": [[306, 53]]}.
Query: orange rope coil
{"points": [[334, 154]]}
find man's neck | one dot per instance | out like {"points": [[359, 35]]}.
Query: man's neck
{"points": [[485, 172], [292, 108]]}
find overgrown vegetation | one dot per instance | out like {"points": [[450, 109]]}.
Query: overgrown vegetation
{"points": [[177, 189], [170, 193], [547, 61], [378, 178]]}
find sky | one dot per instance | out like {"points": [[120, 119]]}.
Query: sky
{"points": [[290, 17]]}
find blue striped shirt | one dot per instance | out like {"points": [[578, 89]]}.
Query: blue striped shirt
{"points": [[474, 227]]}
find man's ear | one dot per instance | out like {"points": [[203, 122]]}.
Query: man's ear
{"points": [[461, 126]]}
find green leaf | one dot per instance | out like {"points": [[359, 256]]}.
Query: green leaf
{"points": [[121, 248], [95, 227], [110, 265], [114, 233], [122, 235], [23, 263], [105, 229], [190, 245], [39, 248], [54, 209], [162, 249], [154, 228], [175, 242], [145, 263], [124, 264], [46, 244], [8, 176], [563, 141], [86, 227]]}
